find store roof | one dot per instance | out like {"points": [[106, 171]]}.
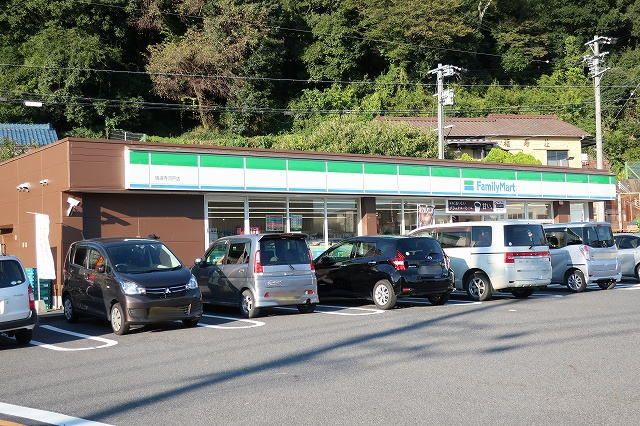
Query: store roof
{"points": [[498, 125], [28, 134]]}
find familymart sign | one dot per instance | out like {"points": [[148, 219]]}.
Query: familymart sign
{"points": [[163, 170]]}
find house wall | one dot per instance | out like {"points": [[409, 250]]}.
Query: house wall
{"points": [[538, 147]]}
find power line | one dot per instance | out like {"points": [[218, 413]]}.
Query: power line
{"points": [[294, 80], [300, 30]]}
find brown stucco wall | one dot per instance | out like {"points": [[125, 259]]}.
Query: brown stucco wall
{"points": [[18, 234], [177, 220]]}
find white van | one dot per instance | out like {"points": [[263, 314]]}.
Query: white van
{"points": [[18, 314], [507, 255], [583, 253]]}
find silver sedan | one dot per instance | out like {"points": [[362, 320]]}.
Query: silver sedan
{"points": [[629, 254]]}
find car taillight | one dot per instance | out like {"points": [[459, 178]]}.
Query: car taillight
{"points": [[446, 261], [257, 266], [585, 252], [398, 262], [32, 300], [311, 264], [511, 256]]}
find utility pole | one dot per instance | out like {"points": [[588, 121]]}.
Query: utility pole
{"points": [[444, 98], [595, 61]]}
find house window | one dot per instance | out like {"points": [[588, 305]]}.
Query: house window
{"points": [[558, 158]]}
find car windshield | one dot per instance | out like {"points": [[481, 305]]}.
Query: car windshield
{"points": [[284, 251], [10, 273], [525, 235], [142, 258], [420, 248]]}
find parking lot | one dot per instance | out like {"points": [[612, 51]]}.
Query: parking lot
{"points": [[555, 357]]}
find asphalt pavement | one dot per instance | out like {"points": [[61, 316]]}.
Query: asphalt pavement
{"points": [[554, 358]]}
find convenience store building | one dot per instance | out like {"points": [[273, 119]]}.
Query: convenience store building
{"points": [[189, 195]]}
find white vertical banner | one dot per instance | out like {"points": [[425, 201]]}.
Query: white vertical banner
{"points": [[44, 258]]}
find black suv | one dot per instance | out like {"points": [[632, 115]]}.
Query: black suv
{"points": [[129, 281], [385, 267]]}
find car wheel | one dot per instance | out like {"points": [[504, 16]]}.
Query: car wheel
{"points": [[69, 310], [383, 295], [191, 322], [478, 287], [306, 308], [23, 337], [248, 305], [575, 281], [608, 285], [119, 324], [438, 300], [522, 293]]}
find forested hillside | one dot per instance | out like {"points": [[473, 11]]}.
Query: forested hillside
{"points": [[286, 72]]}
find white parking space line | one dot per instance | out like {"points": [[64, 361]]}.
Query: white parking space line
{"points": [[252, 323], [48, 417], [627, 287], [106, 342], [450, 302], [363, 311]]}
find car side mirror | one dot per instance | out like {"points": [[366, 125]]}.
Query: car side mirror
{"points": [[197, 261], [327, 261]]}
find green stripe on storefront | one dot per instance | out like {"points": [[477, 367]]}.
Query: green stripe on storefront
{"points": [[266, 163], [530, 176], [174, 159], [574, 178], [380, 169], [553, 177], [307, 166], [344, 167], [137, 157], [600, 179], [406, 170], [222, 161], [445, 172], [488, 174]]}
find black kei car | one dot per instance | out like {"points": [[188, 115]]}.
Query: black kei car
{"points": [[383, 268], [129, 281]]}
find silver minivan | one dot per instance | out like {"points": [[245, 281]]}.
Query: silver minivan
{"points": [[258, 271], [583, 253]]}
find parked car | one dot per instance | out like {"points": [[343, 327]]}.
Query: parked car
{"points": [[628, 254], [385, 267], [507, 255], [18, 316], [258, 271], [129, 281], [583, 253]]}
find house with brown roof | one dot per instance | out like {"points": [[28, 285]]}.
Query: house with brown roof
{"points": [[549, 139]]}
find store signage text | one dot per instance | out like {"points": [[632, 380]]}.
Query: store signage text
{"points": [[489, 186]]}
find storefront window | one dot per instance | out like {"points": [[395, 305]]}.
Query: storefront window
{"points": [[515, 210], [389, 216], [411, 213], [307, 216], [539, 210], [267, 215], [342, 219], [226, 217]]}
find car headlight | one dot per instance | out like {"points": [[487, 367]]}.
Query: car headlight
{"points": [[193, 283], [129, 287]]}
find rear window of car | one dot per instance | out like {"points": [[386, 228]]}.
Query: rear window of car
{"points": [[597, 236], [525, 235], [11, 273], [420, 248], [284, 251]]}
